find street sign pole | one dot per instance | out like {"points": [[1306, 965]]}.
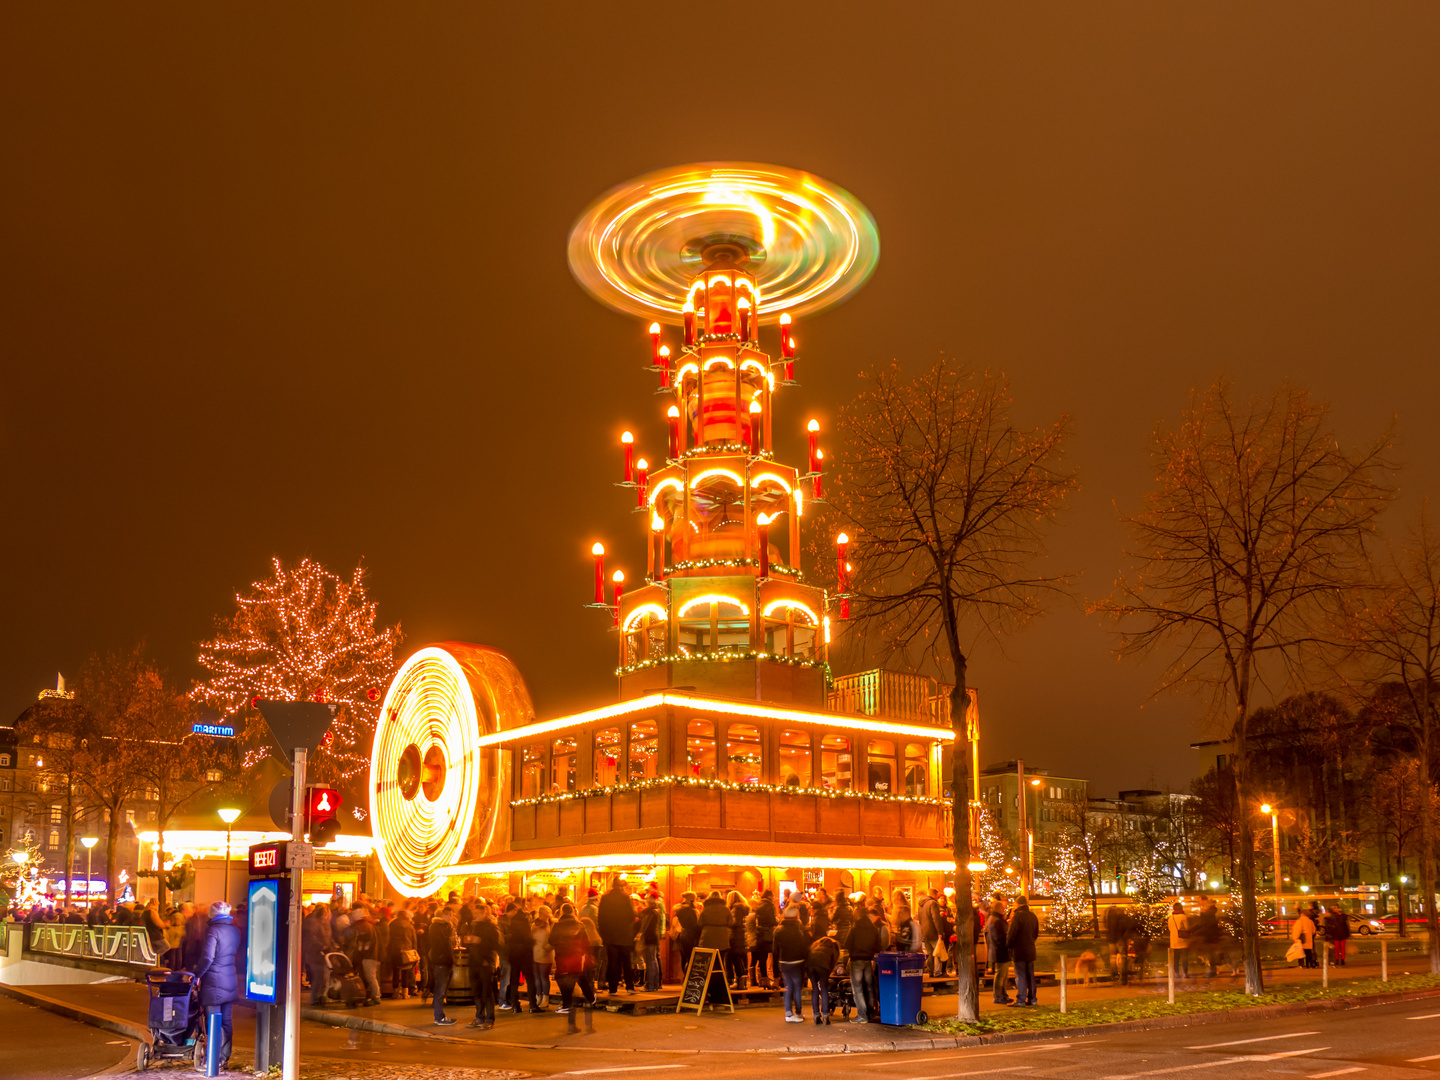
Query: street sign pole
{"points": [[291, 1067]]}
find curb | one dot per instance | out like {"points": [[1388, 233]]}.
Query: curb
{"points": [[129, 1030]]}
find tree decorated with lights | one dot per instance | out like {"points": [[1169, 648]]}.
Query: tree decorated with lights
{"points": [[1069, 915], [20, 872], [303, 634], [1150, 885], [992, 881]]}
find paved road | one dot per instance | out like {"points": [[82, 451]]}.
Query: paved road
{"points": [[1392, 1041], [38, 1045]]}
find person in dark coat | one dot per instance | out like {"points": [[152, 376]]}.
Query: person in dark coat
{"points": [[688, 920], [574, 965], [998, 949], [843, 917], [766, 920], [862, 943], [1020, 938], [715, 928], [442, 942], [193, 942], [792, 953], [824, 955], [402, 944], [1117, 933], [650, 931], [216, 971], [482, 952], [520, 948], [736, 962], [364, 951], [314, 944], [1337, 929], [617, 931]]}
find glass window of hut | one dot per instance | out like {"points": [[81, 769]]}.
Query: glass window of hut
{"points": [[881, 762], [743, 754], [562, 764], [644, 750], [607, 756], [916, 756], [700, 749], [532, 771], [795, 759], [835, 767]]}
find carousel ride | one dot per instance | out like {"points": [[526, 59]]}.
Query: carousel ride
{"points": [[718, 251]]}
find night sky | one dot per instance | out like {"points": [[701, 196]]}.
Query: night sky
{"points": [[292, 281]]}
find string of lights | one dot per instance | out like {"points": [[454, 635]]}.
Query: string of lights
{"points": [[656, 782], [729, 657]]}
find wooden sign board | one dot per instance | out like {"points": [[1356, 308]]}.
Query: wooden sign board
{"points": [[697, 980]]}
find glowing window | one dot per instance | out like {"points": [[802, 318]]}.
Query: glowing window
{"points": [[644, 750], [744, 754], [795, 759], [881, 764], [607, 757], [836, 770], [700, 749], [532, 770], [563, 758], [917, 758]]}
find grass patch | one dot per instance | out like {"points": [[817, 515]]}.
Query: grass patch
{"points": [[1112, 1010]]}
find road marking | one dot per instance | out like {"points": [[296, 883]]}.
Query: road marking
{"points": [[621, 1068], [977, 1072], [1263, 1038], [1222, 1061], [958, 1060], [1286, 1053], [1427, 1057], [1337, 1072], [1427, 1016]]}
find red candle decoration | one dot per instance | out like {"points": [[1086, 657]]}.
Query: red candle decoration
{"points": [[744, 307], [642, 479], [619, 580], [673, 413], [664, 358], [657, 531], [762, 526], [842, 574], [814, 428], [599, 552], [819, 468], [790, 361], [787, 343], [655, 343], [628, 442], [689, 312], [755, 411]]}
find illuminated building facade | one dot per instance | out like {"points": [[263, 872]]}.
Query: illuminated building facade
{"points": [[722, 765]]}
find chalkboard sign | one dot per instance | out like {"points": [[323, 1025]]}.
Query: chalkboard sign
{"points": [[703, 963]]}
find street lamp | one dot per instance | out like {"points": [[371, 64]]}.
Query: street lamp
{"points": [[89, 842], [1274, 812], [227, 815], [21, 857]]}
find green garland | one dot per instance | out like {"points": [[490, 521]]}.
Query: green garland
{"points": [[706, 564], [728, 657], [728, 785]]}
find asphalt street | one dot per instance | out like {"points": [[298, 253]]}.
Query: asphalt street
{"points": [[1400, 1040], [38, 1045]]}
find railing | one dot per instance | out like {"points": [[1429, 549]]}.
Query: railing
{"points": [[114, 944], [892, 695]]}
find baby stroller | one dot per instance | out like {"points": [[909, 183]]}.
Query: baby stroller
{"points": [[842, 995], [176, 1030], [344, 984]]}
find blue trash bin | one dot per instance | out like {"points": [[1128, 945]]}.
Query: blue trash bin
{"points": [[900, 983]]}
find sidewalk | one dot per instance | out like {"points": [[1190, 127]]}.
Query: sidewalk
{"points": [[751, 1029]]}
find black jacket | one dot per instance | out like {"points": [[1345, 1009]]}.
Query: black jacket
{"points": [[216, 966], [519, 936], [482, 944], [689, 920], [441, 941], [739, 912], [714, 924], [995, 942], [650, 924], [863, 941], [402, 938], [792, 943], [617, 919], [1024, 929], [765, 922]]}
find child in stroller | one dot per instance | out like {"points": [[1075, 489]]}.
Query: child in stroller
{"points": [[344, 984], [175, 1019]]}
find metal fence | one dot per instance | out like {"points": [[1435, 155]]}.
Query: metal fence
{"points": [[114, 944]]}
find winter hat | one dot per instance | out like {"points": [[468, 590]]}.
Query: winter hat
{"points": [[592, 892]]}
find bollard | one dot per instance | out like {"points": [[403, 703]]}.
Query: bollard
{"points": [[1170, 978], [1384, 962], [1064, 1004], [213, 1031], [1325, 964]]}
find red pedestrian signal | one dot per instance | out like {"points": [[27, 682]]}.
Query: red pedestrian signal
{"points": [[322, 814]]}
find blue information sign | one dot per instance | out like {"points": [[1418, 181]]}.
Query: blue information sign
{"points": [[265, 955], [213, 729]]}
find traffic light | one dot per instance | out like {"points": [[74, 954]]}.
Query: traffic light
{"points": [[322, 814]]}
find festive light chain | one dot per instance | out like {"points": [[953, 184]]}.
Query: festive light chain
{"points": [[708, 564], [712, 449], [727, 785], [728, 657]]}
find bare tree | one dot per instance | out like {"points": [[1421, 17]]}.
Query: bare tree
{"points": [[1400, 628], [169, 760], [948, 503], [1256, 530]]}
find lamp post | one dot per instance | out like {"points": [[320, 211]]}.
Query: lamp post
{"points": [[1274, 812], [89, 842], [227, 815]]}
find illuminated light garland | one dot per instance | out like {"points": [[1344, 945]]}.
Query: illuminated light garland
{"points": [[718, 706], [728, 785], [727, 657], [749, 363], [756, 481], [719, 360], [692, 369], [712, 598], [728, 449], [708, 564], [430, 706], [795, 604], [640, 612], [611, 860], [707, 473]]}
